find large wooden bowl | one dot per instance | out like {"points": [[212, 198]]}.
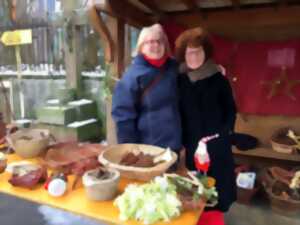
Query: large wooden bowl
{"points": [[112, 156]]}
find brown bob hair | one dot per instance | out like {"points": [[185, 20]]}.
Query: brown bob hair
{"points": [[194, 38]]}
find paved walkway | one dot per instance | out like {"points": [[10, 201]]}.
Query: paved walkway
{"points": [[15, 211]]}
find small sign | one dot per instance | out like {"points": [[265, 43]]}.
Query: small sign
{"points": [[17, 37]]}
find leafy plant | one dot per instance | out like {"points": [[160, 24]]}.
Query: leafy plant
{"points": [[198, 186]]}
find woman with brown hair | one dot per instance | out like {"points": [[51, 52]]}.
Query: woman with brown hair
{"points": [[207, 107]]}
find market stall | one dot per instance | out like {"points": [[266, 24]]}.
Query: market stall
{"points": [[257, 43]]}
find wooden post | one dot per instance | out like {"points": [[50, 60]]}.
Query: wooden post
{"points": [[128, 50], [99, 25], [72, 48], [117, 30], [73, 60]]}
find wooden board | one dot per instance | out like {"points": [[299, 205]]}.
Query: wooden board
{"points": [[269, 154], [265, 23]]}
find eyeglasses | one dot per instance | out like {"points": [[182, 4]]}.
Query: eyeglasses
{"points": [[195, 52], [152, 42]]}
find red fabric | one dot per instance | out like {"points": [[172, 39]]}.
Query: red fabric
{"points": [[211, 218], [157, 62], [254, 63], [172, 31]]}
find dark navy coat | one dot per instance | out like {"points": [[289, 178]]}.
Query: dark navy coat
{"points": [[153, 119], [207, 107]]}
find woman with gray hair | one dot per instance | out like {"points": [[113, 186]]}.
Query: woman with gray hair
{"points": [[145, 100]]}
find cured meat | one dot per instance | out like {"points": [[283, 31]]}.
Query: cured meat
{"points": [[30, 179], [72, 157]]}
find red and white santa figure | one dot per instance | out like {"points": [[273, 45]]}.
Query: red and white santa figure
{"points": [[201, 156]]}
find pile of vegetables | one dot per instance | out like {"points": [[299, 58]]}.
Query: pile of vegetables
{"points": [[150, 202], [194, 187], [160, 199]]}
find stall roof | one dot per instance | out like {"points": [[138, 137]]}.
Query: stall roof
{"points": [[189, 5], [233, 18]]}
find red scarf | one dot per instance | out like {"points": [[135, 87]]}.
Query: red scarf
{"points": [[156, 62]]}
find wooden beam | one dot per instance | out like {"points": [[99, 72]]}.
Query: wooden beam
{"points": [[125, 11], [130, 13], [246, 18], [190, 4], [282, 3], [193, 7], [150, 4], [236, 4], [117, 30], [258, 34], [101, 28]]}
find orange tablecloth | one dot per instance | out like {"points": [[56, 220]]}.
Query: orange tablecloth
{"points": [[76, 201]]}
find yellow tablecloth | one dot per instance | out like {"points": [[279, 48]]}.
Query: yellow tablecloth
{"points": [[76, 201]]}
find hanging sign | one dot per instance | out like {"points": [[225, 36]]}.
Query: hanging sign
{"points": [[17, 37]]}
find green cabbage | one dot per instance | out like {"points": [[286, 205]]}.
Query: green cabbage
{"points": [[150, 202]]}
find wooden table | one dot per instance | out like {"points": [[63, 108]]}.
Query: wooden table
{"points": [[76, 201]]}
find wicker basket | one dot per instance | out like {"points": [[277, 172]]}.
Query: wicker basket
{"points": [[113, 155], [282, 147], [287, 207], [279, 204]]}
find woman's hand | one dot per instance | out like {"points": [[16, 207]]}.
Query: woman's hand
{"points": [[222, 69]]}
